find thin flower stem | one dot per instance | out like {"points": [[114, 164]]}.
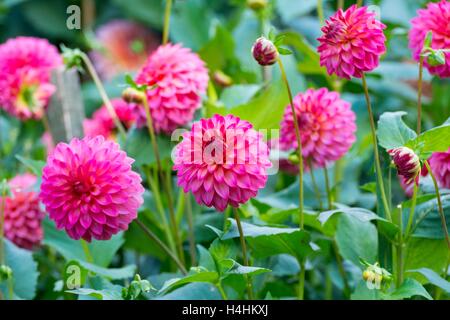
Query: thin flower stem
{"points": [[412, 212], [222, 292], [441, 210], [315, 186], [400, 254], [167, 21], [86, 251], [244, 252], [164, 183], [419, 96], [375, 149], [103, 94], [301, 280], [360, 3], [320, 12], [340, 4], [161, 244], [190, 220], [327, 187], [2, 222]]}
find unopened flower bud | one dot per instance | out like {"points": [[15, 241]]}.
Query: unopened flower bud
{"points": [[407, 163], [222, 79], [294, 158], [257, 4], [367, 275], [265, 52], [5, 273], [132, 95], [436, 58]]}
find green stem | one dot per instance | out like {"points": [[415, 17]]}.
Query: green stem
{"points": [[340, 4], [375, 147], [222, 292], [400, 255], [441, 210], [360, 3], [244, 252], [419, 96], [2, 223], [190, 220], [320, 12], [327, 187], [103, 94], [86, 251], [161, 244], [301, 280], [412, 212], [341, 269], [315, 186], [166, 21]]}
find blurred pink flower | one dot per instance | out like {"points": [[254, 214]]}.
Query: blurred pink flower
{"points": [[89, 188], [435, 18], [123, 47], [352, 42], [440, 165], [47, 141], [327, 126], [181, 78], [102, 124], [23, 216], [25, 65], [222, 161]]}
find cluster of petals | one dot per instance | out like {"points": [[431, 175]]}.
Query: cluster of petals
{"points": [[89, 188], [327, 127], [435, 18], [407, 163], [352, 42], [178, 78], [440, 165], [223, 161], [23, 216], [25, 65]]}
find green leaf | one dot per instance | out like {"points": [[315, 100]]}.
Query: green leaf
{"points": [[433, 140], [104, 294], [425, 253], [434, 278], [194, 276], [235, 268], [194, 291], [284, 51], [392, 131], [428, 39], [238, 94], [408, 289], [205, 259], [111, 273], [35, 166]]}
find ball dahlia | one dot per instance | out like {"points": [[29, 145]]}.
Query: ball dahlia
{"points": [[435, 18], [327, 126], [25, 65], [23, 215], [352, 42], [181, 78], [123, 47], [89, 189], [440, 165], [222, 161], [102, 124]]}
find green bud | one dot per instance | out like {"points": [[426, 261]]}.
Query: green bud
{"points": [[294, 158], [436, 58], [5, 273]]}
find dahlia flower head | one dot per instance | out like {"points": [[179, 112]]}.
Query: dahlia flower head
{"points": [[102, 123], [440, 165], [123, 47], [23, 216], [25, 65], [327, 127], [407, 163], [89, 188], [352, 42], [265, 52], [435, 18], [181, 78], [222, 161]]}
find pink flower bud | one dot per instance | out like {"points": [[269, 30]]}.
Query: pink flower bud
{"points": [[407, 163], [265, 52]]}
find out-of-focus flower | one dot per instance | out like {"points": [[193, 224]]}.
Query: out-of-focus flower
{"points": [[327, 127], [25, 65], [222, 161], [352, 42], [102, 124], [265, 52], [407, 163], [124, 47], [23, 216], [47, 141], [440, 165], [180, 77], [89, 188], [435, 18]]}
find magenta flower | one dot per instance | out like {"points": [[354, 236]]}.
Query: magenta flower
{"points": [[222, 161], [327, 127], [181, 78], [23, 216], [440, 164], [25, 65], [435, 18], [407, 163], [352, 42], [123, 47], [89, 189], [265, 52], [102, 124]]}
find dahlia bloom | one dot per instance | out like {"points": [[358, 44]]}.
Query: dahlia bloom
{"points": [[327, 127], [222, 161], [440, 164], [124, 47], [265, 52], [352, 42], [23, 216], [89, 189], [181, 78], [102, 124], [407, 163], [25, 65], [435, 18]]}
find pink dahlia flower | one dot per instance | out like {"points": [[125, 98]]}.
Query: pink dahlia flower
{"points": [[181, 78], [102, 123], [440, 164], [265, 52], [407, 163], [352, 42], [124, 47], [23, 216], [89, 189], [25, 65], [435, 18], [222, 161], [327, 126]]}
